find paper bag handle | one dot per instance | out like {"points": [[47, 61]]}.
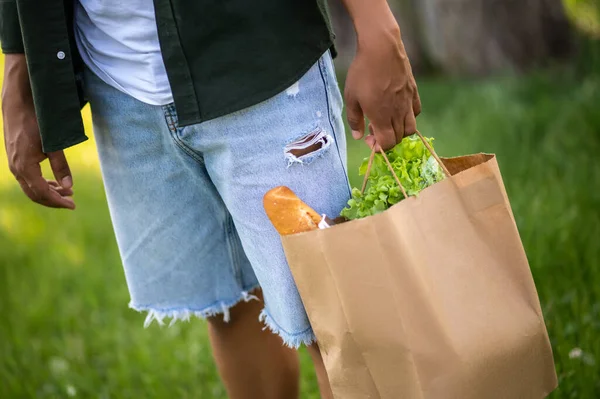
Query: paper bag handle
{"points": [[434, 154], [389, 165]]}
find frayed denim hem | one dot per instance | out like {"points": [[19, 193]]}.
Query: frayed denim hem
{"points": [[306, 337], [184, 314]]}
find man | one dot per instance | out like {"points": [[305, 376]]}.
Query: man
{"points": [[199, 108]]}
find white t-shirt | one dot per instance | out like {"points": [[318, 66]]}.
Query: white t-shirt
{"points": [[118, 41]]}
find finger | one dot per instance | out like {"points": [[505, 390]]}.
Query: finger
{"points": [[64, 192], [399, 129], [410, 124], [42, 194], [60, 168], [356, 118], [385, 135], [26, 189], [371, 141], [31, 194], [47, 196], [417, 104]]}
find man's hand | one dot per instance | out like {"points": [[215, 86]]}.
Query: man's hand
{"points": [[23, 143], [380, 84]]}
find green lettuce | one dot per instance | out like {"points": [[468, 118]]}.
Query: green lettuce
{"points": [[414, 166]]}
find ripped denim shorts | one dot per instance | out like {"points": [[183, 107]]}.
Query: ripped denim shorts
{"points": [[186, 202]]}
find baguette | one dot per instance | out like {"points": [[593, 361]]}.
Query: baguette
{"points": [[288, 213]]}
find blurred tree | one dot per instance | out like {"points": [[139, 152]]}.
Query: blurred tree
{"points": [[483, 36], [474, 37]]}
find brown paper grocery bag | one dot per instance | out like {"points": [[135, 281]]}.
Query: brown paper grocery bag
{"points": [[430, 299]]}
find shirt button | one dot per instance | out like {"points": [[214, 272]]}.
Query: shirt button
{"points": [[60, 55]]}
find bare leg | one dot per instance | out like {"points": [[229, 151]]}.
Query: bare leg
{"points": [[253, 363], [324, 387]]}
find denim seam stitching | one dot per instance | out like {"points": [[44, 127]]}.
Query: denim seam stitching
{"points": [[282, 329], [329, 118], [174, 130]]}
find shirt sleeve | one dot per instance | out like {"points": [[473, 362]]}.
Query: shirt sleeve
{"points": [[11, 38]]}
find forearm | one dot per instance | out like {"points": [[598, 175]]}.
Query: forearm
{"points": [[372, 18], [16, 88]]}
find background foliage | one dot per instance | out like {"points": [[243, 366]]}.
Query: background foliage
{"points": [[65, 330]]}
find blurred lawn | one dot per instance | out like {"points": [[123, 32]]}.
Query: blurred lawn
{"points": [[65, 329]]}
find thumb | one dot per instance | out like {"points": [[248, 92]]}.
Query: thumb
{"points": [[60, 168], [356, 118]]}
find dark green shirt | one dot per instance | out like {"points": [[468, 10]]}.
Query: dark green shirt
{"points": [[220, 56]]}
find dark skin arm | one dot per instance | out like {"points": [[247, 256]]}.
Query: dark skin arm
{"points": [[23, 143], [380, 84]]}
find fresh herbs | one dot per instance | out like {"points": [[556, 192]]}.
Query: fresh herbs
{"points": [[414, 166]]}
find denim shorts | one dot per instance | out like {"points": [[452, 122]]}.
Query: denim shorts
{"points": [[186, 202]]}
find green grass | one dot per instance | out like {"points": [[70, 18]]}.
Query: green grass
{"points": [[65, 325]]}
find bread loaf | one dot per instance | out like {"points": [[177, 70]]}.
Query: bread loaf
{"points": [[288, 213]]}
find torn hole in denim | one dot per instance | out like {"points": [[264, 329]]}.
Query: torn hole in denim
{"points": [[308, 147]]}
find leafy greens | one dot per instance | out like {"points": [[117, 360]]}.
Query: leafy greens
{"points": [[414, 166]]}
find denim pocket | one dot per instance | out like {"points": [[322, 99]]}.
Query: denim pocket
{"points": [[171, 118], [176, 132]]}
